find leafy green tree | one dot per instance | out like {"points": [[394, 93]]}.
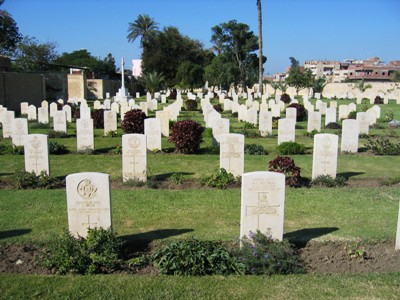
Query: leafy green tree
{"points": [[237, 43], [361, 86], [153, 81], [190, 75], [33, 56], [220, 72], [396, 76], [283, 86], [167, 49], [144, 27], [9, 34], [319, 84], [298, 78]]}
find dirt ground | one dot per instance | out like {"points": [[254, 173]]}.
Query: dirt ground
{"points": [[324, 258]]}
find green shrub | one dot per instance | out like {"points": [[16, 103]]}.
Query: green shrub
{"points": [[262, 255], [177, 178], [57, 148], [382, 146], [187, 136], [301, 113], [40, 126], [221, 180], [213, 149], [98, 118], [111, 134], [328, 181], [290, 148], [196, 258], [255, 149], [388, 116], [235, 115], [133, 121], [208, 133], [191, 105], [378, 100], [57, 134], [29, 180], [118, 150], [286, 166], [285, 98], [218, 108], [249, 133], [99, 252], [14, 150], [333, 125], [312, 133], [352, 115]]}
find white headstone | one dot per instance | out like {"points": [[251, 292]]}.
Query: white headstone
{"points": [[110, 121], [43, 115], [152, 130], [363, 122], [343, 111], [265, 123], [232, 153], [325, 155], [251, 115], [60, 121], [330, 115], [7, 121], [291, 113], [134, 157], [85, 113], [163, 116], [107, 103], [84, 135], [53, 108], [36, 153], [350, 133], [19, 130], [263, 204], [68, 112], [220, 126], [286, 130], [314, 121], [88, 202], [24, 108], [32, 113]]}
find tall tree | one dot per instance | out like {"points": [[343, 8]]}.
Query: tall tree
{"points": [[9, 34], [298, 78], [237, 42], [33, 56], [260, 56], [143, 26]]}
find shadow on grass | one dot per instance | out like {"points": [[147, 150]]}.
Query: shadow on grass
{"points": [[104, 150], [5, 174], [141, 242], [11, 233], [166, 176], [301, 237], [347, 175]]}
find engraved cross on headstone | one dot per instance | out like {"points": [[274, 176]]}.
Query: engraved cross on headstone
{"points": [[89, 223], [263, 207]]}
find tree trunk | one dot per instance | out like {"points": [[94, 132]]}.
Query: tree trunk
{"points": [[260, 59]]}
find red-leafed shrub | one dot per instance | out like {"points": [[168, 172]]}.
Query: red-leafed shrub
{"points": [[133, 121], [98, 118], [285, 98], [187, 136], [301, 114], [286, 166]]}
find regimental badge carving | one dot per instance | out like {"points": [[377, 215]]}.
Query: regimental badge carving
{"points": [[134, 142], [86, 189]]}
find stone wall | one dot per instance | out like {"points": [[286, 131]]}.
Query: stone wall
{"points": [[21, 87], [97, 88], [77, 86]]}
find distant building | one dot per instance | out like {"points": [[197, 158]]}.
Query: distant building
{"points": [[136, 67]]}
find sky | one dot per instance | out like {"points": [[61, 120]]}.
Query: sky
{"points": [[304, 29]]}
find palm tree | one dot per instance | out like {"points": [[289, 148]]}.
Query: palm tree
{"points": [[260, 59], [153, 81], [143, 26]]}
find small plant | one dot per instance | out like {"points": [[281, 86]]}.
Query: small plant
{"points": [[152, 183], [98, 118], [235, 115], [333, 125], [301, 113], [112, 134], [290, 148], [249, 133], [382, 146], [196, 258], [133, 182], [177, 178], [388, 116], [99, 252], [133, 121], [218, 108], [221, 180], [118, 150], [254, 149], [328, 181], [352, 115], [57, 148], [207, 133], [187, 136], [191, 105], [248, 125], [312, 133], [262, 255], [286, 166], [8, 149], [356, 251], [57, 134], [29, 180]]}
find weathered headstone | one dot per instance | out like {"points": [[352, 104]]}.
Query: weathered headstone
{"points": [[32, 113], [7, 121], [134, 157], [88, 202], [110, 121], [36, 153], [363, 122], [286, 130], [251, 115], [350, 133], [60, 121], [24, 108], [232, 153], [163, 116], [291, 113], [152, 130], [85, 113], [53, 108], [220, 126], [84, 135], [343, 111], [263, 204], [43, 115], [265, 123], [325, 155], [330, 115], [68, 112], [19, 130]]}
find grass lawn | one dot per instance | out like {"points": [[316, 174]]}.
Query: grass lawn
{"points": [[157, 216]]}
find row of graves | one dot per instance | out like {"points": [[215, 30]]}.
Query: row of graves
{"points": [[263, 193]]}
